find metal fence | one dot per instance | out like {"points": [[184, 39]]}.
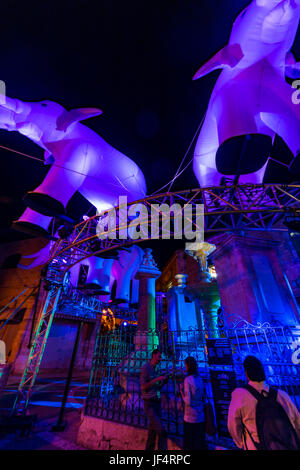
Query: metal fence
{"points": [[114, 392]]}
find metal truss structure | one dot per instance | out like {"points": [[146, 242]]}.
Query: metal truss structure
{"points": [[225, 209], [86, 307], [37, 349]]}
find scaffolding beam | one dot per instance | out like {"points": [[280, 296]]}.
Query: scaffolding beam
{"points": [[37, 349]]}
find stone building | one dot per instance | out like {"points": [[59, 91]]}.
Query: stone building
{"points": [[21, 288], [255, 278]]}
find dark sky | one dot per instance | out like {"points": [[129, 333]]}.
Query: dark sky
{"points": [[133, 59]]}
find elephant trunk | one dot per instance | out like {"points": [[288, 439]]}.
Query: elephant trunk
{"points": [[17, 106]]}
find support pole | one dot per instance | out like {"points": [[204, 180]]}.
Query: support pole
{"points": [[61, 424]]}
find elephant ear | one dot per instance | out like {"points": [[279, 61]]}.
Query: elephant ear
{"points": [[75, 115]]}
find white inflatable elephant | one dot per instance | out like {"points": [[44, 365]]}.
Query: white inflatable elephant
{"points": [[102, 272], [81, 161], [251, 97]]}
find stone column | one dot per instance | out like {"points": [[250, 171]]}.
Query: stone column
{"points": [[148, 272], [251, 281], [209, 301]]}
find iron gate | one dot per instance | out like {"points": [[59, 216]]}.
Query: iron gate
{"points": [[114, 393]]}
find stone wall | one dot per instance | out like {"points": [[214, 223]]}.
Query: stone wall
{"points": [[99, 434], [13, 281], [16, 335]]}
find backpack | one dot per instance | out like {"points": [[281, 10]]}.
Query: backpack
{"points": [[274, 429]]}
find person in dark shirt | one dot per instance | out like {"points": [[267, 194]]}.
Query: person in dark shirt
{"points": [[151, 384]]}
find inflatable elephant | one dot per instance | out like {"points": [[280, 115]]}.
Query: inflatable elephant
{"points": [[81, 161], [124, 270], [102, 273], [251, 101]]}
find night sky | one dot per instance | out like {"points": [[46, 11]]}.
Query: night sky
{"points": [[133, 59]]}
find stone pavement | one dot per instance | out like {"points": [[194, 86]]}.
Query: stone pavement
{"points": [[45, 404]]}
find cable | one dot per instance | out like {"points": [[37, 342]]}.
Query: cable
{"points": [[170, 183], [177, 174], [21, 153], [117, 185]]}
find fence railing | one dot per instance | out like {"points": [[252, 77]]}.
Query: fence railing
{"points": [[114, 390]]}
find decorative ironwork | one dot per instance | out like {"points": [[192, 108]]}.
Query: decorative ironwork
{"points": [[75, 303]]}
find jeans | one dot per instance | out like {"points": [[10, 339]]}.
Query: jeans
{"points": [[153, 412]]}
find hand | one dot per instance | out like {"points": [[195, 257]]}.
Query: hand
{"points": [[161, 378]]}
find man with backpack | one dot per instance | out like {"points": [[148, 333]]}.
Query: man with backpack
{"points": [[261, 417]]}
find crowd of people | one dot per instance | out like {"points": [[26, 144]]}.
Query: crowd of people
{"points": [[260, 417]]}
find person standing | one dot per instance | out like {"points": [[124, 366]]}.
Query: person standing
{"points": [[194, 396], [250, 434], [151, 384]]}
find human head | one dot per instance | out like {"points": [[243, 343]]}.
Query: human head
{"points": [[156, 356], [254, 369], [191, 365]]}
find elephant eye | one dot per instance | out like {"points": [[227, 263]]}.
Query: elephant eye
{"points": [[44, 105]]}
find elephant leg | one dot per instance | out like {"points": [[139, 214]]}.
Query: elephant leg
{"points": [[240, 132], [123, 288], [33, 223], [63, 179], [135, 291], [99, 275], [124, 270], [286, 125], [117, 176], [104, 278], [227, 119], [205, 167], [234, 109], [279, 112]]}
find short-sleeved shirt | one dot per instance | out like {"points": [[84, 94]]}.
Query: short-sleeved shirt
{"points": [[242, 411], [194, 398], [147, 374]]}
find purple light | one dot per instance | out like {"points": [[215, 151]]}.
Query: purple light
{"points": [[251, 95], [80, 160]]}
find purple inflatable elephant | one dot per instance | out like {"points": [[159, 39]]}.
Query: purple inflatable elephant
{"points": [[251, 97], [101, 273], [81, 161]]}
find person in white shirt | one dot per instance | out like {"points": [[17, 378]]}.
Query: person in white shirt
{"points": [[193, 395], [242, 409]]}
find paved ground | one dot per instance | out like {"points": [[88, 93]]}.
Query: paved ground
{"points": [[45, 403]]}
